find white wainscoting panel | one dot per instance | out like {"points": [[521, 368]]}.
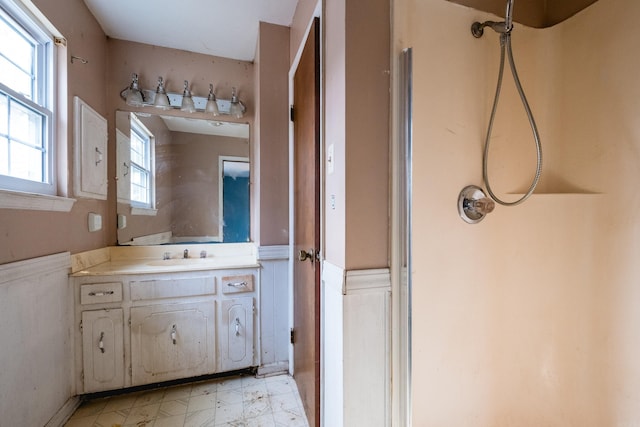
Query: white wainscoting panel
{"points": [[367, 348], [356, 347], [274, 311], [36, 317], [332, 351]]}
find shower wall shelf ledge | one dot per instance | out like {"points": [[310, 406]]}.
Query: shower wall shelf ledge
{"points": [[559, 193]]}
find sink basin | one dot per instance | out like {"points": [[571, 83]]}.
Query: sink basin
{"points": [[180, 261]]}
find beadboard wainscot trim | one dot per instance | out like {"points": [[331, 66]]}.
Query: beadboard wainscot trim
{"points": [[276, 252]]}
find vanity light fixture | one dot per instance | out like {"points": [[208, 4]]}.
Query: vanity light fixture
{"points": [[161, 99], [185, 101], [187, 104]]}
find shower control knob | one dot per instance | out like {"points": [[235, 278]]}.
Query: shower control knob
{"points": [[473, 204]]}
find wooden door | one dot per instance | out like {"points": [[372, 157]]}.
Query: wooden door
{"points": [[306, 286]]}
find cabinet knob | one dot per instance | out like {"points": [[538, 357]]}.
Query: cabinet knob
{"points": [[173, 334], [237, 326], [101, 342]]}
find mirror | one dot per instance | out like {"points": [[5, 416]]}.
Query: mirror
{"points": [[181, 180]]}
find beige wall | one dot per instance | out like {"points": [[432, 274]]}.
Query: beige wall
{"points": [[356, 95], [27, 234], [302, 18], [271, 131], [527, 318]]}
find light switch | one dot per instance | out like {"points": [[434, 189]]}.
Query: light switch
{"points": [[330, 159], [95, 221], [122, 221]]}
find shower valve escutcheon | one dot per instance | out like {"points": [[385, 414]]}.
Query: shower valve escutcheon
{"points": [[473, 204]]}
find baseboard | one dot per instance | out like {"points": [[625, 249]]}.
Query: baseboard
{"points": [[273, 369], [64, 413]]}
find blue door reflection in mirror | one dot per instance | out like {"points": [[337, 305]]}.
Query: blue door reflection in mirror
{"points": [[235, 199]]}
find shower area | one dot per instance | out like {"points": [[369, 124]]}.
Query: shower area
{"points": [[530, 317]]}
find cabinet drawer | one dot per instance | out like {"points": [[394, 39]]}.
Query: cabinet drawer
{"points": [[98, 293], [172, 288], [237, 284]]}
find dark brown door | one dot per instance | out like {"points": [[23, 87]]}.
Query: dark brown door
{"points": [[306, 271]]}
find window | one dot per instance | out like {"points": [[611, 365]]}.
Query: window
{"points": [[142, 165], [27, 161]]}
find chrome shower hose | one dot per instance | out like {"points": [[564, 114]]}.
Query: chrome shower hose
{"points": [[505, 44]]}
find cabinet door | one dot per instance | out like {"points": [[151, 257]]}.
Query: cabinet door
{"points": [[170, 341], [90, 170], [236, 336], [103, 349]]}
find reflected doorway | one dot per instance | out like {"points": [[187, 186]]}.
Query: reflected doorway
{"points": [[234, 196]]}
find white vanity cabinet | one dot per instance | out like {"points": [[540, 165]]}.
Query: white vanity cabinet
{"points": [[140, 329]]}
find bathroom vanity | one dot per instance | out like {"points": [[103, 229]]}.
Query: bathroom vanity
{"points": [[143, 319]]}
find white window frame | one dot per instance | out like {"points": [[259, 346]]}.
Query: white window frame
{"points": [[137, 207], [41, 104], [17, 193]]}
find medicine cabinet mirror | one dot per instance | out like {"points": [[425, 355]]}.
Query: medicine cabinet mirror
{"points": [[181, 180]]}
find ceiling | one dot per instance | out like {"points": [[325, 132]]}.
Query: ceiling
{"points": [[229, 28], [532, 13], [226, 28]]}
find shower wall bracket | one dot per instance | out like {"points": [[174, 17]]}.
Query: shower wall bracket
{"points": [[473, 204]]}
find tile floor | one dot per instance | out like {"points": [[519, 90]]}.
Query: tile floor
{"points": [[233, 401]]}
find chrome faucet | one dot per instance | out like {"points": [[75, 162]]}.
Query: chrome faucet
{"points": [[185, 255]]}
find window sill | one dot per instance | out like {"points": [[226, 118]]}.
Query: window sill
{"points": [[143, 211], [34, 202]]}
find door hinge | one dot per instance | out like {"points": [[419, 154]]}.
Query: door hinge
{"points": [[130, 371], [292, 337], [291, 114], [129, 322], [82, 375], [80, 326]]}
